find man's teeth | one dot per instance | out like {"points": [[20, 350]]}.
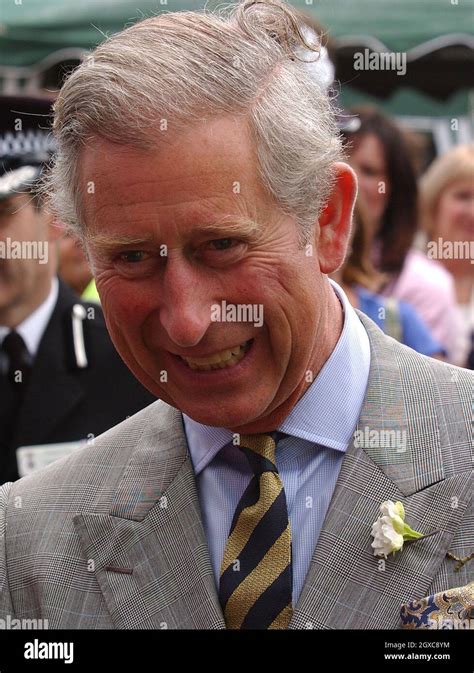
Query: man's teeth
{"points": [[220, 360]]}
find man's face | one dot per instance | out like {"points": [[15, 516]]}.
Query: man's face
{"points": [[23, 281], [186, 209]]}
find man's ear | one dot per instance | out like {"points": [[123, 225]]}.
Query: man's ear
{"points": [[335, 220]]}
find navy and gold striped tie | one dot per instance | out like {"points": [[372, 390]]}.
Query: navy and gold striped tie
{"points": [[256, 576]]}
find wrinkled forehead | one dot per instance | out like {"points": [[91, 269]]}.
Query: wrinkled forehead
{"points": [[209, 170]]}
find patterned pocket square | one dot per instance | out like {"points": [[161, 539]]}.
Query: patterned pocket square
{"points": [[450, 609]]}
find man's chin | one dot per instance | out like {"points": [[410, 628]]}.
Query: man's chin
{"points": [[232, 418]]}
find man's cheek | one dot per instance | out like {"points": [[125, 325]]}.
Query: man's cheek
{"points": [[116, 299]]}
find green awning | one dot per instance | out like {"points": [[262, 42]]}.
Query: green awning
{"points": [[34, 29], [437, 37], [406, 101], [400, 25]]}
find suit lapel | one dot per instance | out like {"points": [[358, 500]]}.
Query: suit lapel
{"points": [[347, 586], [149, 553]]}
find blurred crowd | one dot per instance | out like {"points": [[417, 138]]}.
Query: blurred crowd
{"points": [[409, 268]]}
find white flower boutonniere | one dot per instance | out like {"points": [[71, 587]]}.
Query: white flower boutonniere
{"points": [[390, 530]]}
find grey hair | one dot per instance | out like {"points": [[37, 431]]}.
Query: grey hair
{"points": [[183, 67]]}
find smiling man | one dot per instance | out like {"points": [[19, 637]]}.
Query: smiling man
{"points": [[200, 162], [194, 242]]}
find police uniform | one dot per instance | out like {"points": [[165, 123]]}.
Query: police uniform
{"points": [[78, 386], [74, 384]]}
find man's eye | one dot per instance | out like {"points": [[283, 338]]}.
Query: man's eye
{"points": [[223, 243], [132, 256]]}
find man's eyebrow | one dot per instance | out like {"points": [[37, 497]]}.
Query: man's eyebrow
{"points": [[109, 241], [239, 226]]}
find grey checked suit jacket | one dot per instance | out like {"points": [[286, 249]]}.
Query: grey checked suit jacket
{"points": [[111, 537]]}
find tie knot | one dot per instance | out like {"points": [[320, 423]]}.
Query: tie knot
{"points": [[260, 452], [13, 345]]}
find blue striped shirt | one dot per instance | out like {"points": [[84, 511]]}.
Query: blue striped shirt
{"points": [[319, 426]]}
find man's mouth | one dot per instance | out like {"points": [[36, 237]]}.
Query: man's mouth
{"points": [[219, 360]]}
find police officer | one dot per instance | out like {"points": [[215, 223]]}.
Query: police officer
{"points": [[61, 380]]}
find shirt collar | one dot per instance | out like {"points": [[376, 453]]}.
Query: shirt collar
{"points": [[328, 412], [33, 327]]}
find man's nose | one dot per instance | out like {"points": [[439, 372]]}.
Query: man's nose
{"points": [[185, 311]]}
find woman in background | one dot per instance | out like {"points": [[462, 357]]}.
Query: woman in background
{"points": [[447, 209], [360, 281], [387, 182]]}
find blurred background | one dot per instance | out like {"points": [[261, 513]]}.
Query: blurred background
{"points": [[41, 40]]}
